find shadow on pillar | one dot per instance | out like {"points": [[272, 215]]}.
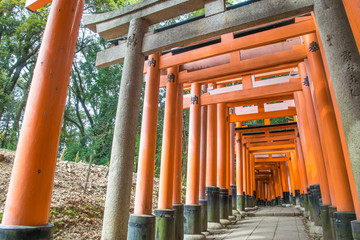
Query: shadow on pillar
{"points": [[141, 227], [44, 232]]}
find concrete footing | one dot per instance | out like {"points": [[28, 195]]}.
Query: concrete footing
{"points": [[240, 203], [332, 210], [326, 225], [286, 197], [343, 224], [213, 198], [355, 227], [179, 221], [233, 196], [224, 205], [192, 222], [165, 224], [141, 227], [204, 217], [44, 232], [315, 204]]}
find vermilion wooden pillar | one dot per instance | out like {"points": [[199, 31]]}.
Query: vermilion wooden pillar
{"points": [[322, 162], [145, 176], [178, 147], [331, 135], [29, 195], [202, 193], [193, 166]]}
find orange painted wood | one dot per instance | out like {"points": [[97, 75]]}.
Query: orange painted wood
{"points": [[193, 164], [251, 41], [301, 165], [202, 191], [239, 178], [232, 153], [177, 191], [168, 143], [221, 145], [147, 151], [253, 93], [269, 160], [269, 139], [305, 97], [257, 116], [342, 188], [34, 5], [211, 148], [296, 55], [29, 195]]}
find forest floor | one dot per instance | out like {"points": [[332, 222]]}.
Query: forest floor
{"points": [[74, 214]]}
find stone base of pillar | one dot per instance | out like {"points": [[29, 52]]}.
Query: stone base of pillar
{"points": [[325, 218], [165, 224], [247, 201], [204, 216], [141, 227], [286, 197], [315, 203], [343, 224], [273, 202], [44, 232], [233, 196], [230, 206], [179, 221], [355, 227], [224, 206], [297, 197], [279, 201], [332, 209], [192, 222], [240, 203], [213, 198]]}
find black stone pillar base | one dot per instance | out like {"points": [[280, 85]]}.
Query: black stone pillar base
{"points": [[315, 203], [213, 198], [43, 232], [141, 227], [192, 220], [179, 221], [326, 225], [286, 197], [230, 206], [240, 203], [247, 204], [233, 196], [332, 210], [343, 224], [224, 204], [165, 224], [355, 227], [297, 197], [204, 216]]}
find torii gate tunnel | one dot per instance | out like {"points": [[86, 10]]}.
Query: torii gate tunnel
{"points": [[257, 60]]}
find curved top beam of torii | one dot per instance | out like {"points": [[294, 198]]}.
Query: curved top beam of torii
{"points": [[34, 5]]}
